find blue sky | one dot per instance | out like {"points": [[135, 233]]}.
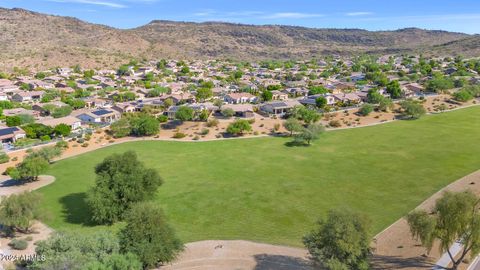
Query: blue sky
{"points": [[451, 15]]}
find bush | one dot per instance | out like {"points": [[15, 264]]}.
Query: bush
{"points": [[4, 158], [179, 135], [365, 110], [62, 144], [18, 244], [276, 127], [45, 138], [196, 138], [212, 123], [228, 112], [81, 140], [204, 131], [334, 123], [85, 145], [88, 137], [162, 119]]}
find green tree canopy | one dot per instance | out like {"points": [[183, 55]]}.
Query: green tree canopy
{"points": [[455, 217], [121, 181], [148, 235], [340, 241]]}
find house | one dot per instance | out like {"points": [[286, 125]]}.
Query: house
{"points": [[124, 107], [347, 98], [236, 98], [11, 134], [241, 110], [73, 122], [312, 100], [28, 96], [279, 108], [296, 92], [277, 95], [100, 116]]}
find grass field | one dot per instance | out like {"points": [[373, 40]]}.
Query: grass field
{"points": [[262, 190]]}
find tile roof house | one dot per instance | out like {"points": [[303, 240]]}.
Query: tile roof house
{"points": [[11, 134], [27, 96], [73, 122], [279, 108], [236, 98], [100, 116]]}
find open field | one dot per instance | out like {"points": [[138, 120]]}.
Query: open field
{"points": [[262, 190]]}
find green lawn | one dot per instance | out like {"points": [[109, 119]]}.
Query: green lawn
{"points": [[262, 190]]}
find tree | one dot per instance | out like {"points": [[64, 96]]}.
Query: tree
{"points": [[365, 110], [374, 97], [204, 93], [13, 121], [340, 241], [308, 116], [393, 88], [184, 113], [267, 95], [62, 130], [121, 128], [121, 181], [18, 211], [321, 102], [148, 235], [310, 133], [385, 104], [144, 125], [292, 125], [62, 111], [455, 217], [318, 89], [412, 109], [37, 130], [74, 251], [30, 168], [239, 127], [48, 153]]}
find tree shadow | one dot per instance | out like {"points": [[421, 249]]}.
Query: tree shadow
{"points": [[172, 124], [279, 262], [12, 183], [394, 262], [296, 144], [75, 209]]}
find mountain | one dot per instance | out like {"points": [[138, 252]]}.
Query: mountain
{"points": [[38, 40]]}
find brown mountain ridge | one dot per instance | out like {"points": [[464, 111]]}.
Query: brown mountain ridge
{"points": [[35, 40]]}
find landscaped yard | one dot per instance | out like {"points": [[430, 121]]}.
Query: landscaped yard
{"points": [[262, 190]]}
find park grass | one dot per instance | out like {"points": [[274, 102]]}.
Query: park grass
{"points": [[263, 190]]}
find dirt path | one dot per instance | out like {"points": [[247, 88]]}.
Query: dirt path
{"points": [[239, 255], [395, 248]]}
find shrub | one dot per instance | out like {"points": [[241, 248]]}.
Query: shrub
{"points": [[88, 137], [196, 138], [4, 158], [179, 135], [45, 138], [228, 112], [204, 131], [84, 144], [334, 123], [212, 123], [365, 110], [162, 119], [18, 244], [276, 127], [81, 140], [62, 144]]}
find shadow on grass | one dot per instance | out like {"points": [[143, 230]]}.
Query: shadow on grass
{"points": [[296, 144], [278, 262], [75, 209]]}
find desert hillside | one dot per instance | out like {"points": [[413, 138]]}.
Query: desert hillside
{"points": [[36, 40]]}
